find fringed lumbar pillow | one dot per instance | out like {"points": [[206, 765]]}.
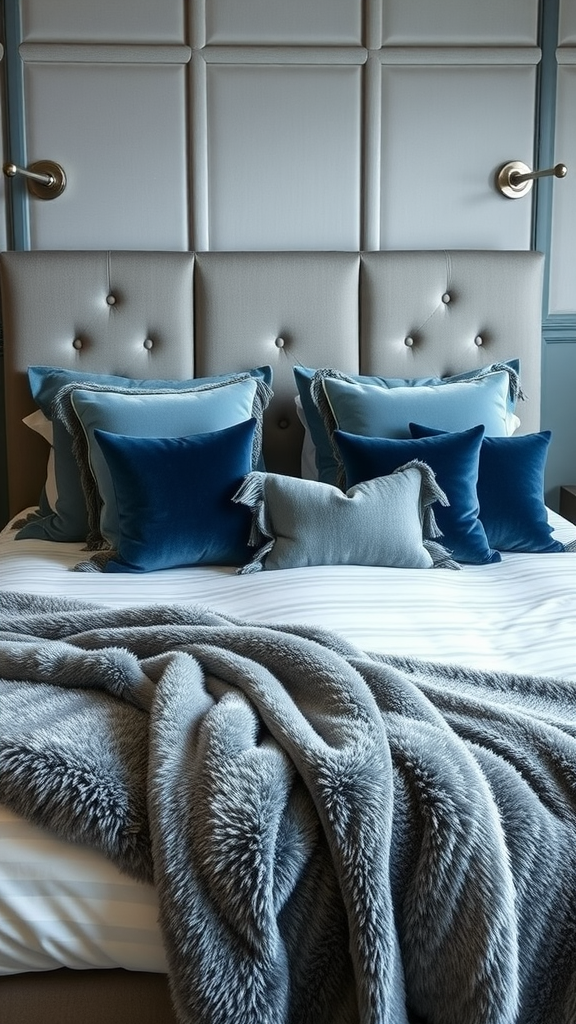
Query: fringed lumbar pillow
{"points": [[387, 521]]}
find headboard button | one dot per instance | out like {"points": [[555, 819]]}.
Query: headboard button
{"points": [[478, 340], [279, 342], [77, 343], [446, 298], [409, 341], [148, 343], [111, 300], [283, 424]]}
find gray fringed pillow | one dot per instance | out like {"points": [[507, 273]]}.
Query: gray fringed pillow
{"points": [[385, 521]]}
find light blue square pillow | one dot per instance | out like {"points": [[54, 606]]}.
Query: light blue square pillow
{"points": [[66, 518], [148, 413], [385, 521], [310, 391], [377, 412]]}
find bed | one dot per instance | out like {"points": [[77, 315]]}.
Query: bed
{"points": [[81, 938]]}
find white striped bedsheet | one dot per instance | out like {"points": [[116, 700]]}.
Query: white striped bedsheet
{"points": [[68, 906], [517, 615], [65, 905]]}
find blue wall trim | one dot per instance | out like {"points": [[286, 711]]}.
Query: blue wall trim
{"points": [[17, 200], [545, 155], [557, 328]]}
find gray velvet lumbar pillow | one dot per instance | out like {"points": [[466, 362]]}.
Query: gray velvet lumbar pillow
{"points": [[385, 521]]}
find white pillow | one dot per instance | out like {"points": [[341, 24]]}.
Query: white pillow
{"points": [[40, 424]]}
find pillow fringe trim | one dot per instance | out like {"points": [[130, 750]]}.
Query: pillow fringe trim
{"points": [[252, 494], [320, 399], [516, 392], [96, 562], [430, 492]]}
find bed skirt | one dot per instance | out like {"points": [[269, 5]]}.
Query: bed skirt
{"points": [[67, 997]]}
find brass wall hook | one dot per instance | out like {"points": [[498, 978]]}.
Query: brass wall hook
{"points": [[45, 178], [514, 179]]}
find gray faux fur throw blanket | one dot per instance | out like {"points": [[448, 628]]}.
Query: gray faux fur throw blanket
{"points": [[335, 837]]}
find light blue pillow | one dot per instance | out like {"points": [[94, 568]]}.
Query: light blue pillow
{"points": [[309, 384], [510, 491], [378, 412], [149, 414], [453, 457], [68, 519], [173, 498], [386, 521]]}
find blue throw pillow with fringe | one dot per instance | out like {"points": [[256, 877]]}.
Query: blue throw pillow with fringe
{"points": [[67, 519], [309, 384]]}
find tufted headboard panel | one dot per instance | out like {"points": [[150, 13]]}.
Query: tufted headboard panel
{"points": [[176, 314]]}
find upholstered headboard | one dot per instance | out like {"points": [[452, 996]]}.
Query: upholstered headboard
{"points": [[176, 314]]}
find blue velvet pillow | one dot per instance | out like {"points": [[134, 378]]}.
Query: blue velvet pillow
{"points": [[454, 460], [308, 382], [148, 414], [174, 498], [511, 491], [67, 520]]}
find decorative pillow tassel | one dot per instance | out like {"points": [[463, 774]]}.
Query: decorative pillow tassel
{"points": [[516, 392], [440, 555], [262, 398], [62, 409], [431, 492], [251, 494], [324, 408], [96, 563]]}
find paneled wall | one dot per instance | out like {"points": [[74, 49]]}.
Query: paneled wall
{"points": [[280, 124], [292, 124], [557, 236]]}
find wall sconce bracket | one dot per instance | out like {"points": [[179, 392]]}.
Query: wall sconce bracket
{"points": [[515, 178]]}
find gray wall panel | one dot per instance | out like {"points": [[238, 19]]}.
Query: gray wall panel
{"points": [[104, 21], [125, 159], [279, 124]]}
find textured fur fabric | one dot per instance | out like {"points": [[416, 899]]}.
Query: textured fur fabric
{"points": [[336, 838]]}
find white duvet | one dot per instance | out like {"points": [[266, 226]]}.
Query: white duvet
{"points": [[66, 905]]}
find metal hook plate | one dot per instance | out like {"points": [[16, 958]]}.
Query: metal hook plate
{"points": [[505, 176], [45, 178], [515, 179]]}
